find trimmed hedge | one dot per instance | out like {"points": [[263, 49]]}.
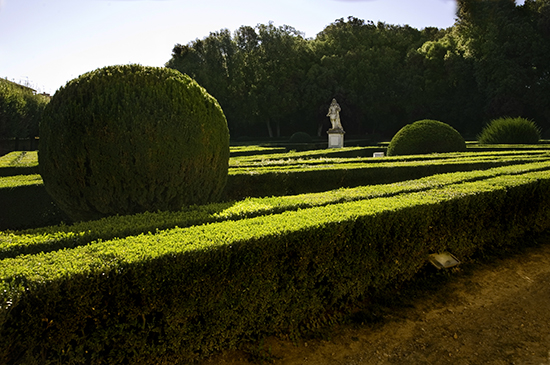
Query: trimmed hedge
{"points": [[128, 139], [426, 136], [474, 147], [255, 155], [235, 151], [305, 158], [298, 162], [346, 152], [181, 294], [19, 163], [59, 237], [296, 179], [299, 178]]}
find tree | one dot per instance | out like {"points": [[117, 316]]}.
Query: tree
{"points": [[508, 52], [444, 85], [20, 110], [495, 61], [256, 75], [363, 66], [212, 63], [538, 13], [281, 64]]}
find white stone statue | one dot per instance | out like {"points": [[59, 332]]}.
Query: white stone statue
{"points": [[334, 114]]}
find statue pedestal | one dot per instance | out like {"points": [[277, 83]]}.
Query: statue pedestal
{"points": [[335, 138]]}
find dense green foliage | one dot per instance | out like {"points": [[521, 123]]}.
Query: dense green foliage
{"points": [[303, 178], [510, 130], [254, 175], [172, 287], [268, 174], [47, 239], [176, 295], [509, 49], [20, 110], [129, 139], [494, 62], [426, 136]]}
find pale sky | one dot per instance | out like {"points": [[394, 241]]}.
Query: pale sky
{"points": [[48, 42]]}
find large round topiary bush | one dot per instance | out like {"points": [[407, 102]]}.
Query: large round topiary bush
{"points": [[510, 130], [128, 139], [426, 136]]}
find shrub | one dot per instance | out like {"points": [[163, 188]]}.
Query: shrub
{"points": [[128, 139], [510, 130], [300, 137], [426, 136]]}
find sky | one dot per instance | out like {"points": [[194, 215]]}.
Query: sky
{"points": [[46, 43]]}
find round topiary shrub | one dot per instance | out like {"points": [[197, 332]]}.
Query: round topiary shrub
{"points": [[300, 137], [128, 139], [510, 130], [426, 136]]}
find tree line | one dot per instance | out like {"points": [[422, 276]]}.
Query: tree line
{"points": [[271, 81], [20, 110]]}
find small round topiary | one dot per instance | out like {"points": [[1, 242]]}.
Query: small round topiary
{"points": [[128, 139], [510, 130], [426, 136], [300, 137]]}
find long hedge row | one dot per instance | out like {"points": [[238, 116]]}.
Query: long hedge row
{"points": [[266, 164], [262, 181], [266, 181], [19, 163], [66, 236], [301, 158], [177, 295]]}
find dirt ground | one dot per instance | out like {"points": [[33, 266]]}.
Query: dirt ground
{"points": [[493, 311]]}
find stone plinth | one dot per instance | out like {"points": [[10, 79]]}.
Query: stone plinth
{"points": [[335, 138]]}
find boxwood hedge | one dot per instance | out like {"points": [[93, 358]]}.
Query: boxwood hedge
{"points": [[177, 295]]}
